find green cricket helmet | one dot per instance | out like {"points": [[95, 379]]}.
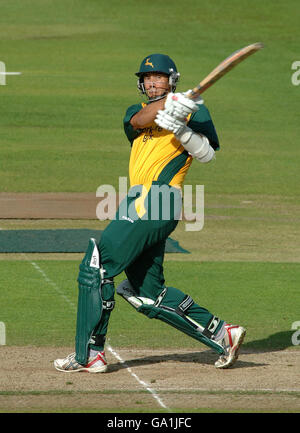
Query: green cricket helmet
{"points": [[158, 63]]}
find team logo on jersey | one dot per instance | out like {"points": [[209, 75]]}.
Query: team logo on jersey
{"points": [[148, 63]]}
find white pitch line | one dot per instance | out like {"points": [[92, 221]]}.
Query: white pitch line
{"points": [[144, 384], [55, 286], [113, 352]]}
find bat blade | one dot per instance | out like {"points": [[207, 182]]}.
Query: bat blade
{"points": [[224, 67]]}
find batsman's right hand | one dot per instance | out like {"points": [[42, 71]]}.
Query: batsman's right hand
{"points": [[179, 106]]}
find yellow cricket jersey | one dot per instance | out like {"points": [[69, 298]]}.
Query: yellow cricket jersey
{"points": [[157, 155]]}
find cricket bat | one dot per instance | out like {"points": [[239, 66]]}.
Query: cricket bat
{"points": [[224, 67]]}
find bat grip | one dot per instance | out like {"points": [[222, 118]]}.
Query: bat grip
{"points": [[194, 92]]}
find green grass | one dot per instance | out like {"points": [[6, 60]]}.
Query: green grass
{"points": [[261, 296], [61, 130], [134, 394], [295, 394], [62, 118], [143, 410]]}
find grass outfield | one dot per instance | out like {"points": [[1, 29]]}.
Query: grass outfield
{"points": [[63, 116], [41, 297]]}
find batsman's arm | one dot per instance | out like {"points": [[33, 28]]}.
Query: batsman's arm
{"points": [[146, 115]]}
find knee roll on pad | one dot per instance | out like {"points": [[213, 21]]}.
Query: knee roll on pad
{"points": [[126, 290]]}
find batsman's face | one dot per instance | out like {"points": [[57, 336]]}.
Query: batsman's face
{"points": [[156, 84]]}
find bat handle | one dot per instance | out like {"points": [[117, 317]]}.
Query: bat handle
{"points": [[193, 93]]}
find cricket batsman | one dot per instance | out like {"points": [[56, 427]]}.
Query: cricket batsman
{"points": [[166, 133]]}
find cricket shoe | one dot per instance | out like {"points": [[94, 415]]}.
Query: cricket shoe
{"points": [[95, 364], [231, 342]]}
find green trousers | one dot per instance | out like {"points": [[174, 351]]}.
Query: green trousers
{"points": [[136, 245]]}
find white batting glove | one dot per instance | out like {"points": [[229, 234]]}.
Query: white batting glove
{"points": [[179, 106], [166, 121]]}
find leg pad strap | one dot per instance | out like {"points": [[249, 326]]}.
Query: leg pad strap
{"points": [[181, 322], [175, 317]]}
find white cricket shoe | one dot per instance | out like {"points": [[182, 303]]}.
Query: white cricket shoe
{"points": [[232, 340], [96, 364]]}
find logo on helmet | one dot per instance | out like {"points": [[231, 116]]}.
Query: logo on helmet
{"points": [[148, 63]]}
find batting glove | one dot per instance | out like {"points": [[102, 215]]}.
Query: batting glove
{"points": [[166, 121], [180, 106]]}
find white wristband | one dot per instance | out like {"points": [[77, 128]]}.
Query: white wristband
{"points": [[196, 144]]}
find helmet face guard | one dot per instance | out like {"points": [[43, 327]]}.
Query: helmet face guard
{"points": [[157, 63]]}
